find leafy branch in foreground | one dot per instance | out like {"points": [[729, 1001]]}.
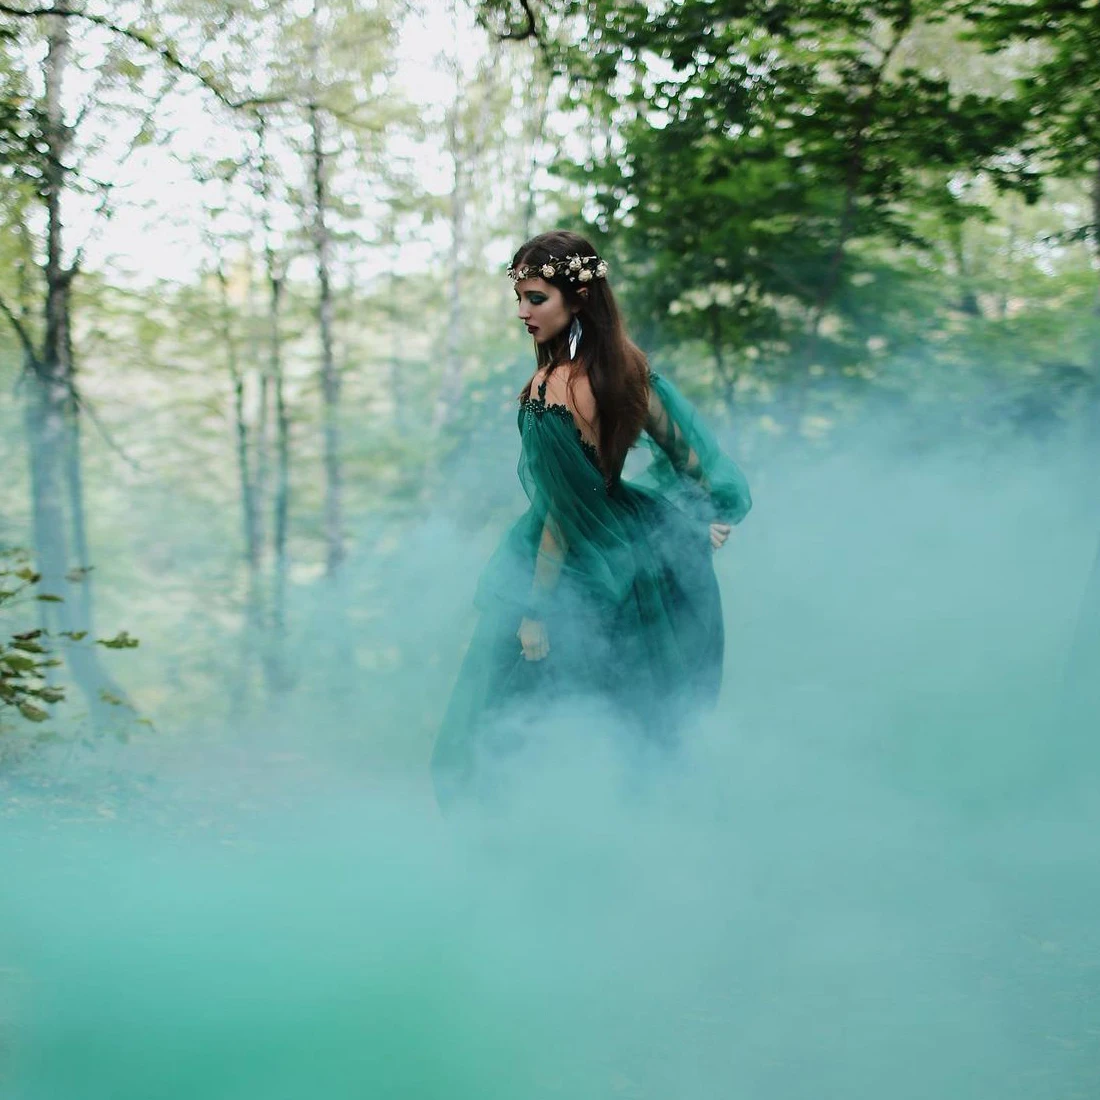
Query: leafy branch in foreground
{"points": [[28, 657]]}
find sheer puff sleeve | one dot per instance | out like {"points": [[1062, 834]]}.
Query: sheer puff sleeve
{"points": [[687, 462]]}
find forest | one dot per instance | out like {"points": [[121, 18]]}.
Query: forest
{"points": [[259, 371], [254, 316]]}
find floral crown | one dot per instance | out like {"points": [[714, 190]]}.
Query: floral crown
{"points": [[577, 269]]}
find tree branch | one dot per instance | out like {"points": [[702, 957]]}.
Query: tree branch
{"points": [[81, 403], [21, 332], [529, 30], [107, 187], [167, 54]]}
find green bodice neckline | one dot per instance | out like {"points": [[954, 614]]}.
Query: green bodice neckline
{"points": [[539, 407]]}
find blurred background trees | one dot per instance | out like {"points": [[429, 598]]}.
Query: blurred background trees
{"points": [[252, 272], [836, 204]]}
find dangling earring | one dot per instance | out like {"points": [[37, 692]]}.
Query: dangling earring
{"points": [[575, 332]]}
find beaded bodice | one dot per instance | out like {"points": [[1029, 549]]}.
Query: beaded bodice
{"points": [[537, 406]]}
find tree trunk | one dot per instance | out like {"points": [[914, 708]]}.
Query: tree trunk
{"points": [[846, 228], [853, 179], [45, 415], [276, 667], [726, 376], [241, 433], [968, 300], [261, 432], [281, 497], [273, 412], [536, 112], [1096, 238], [470, 122], [396, 334], [251, 639], [450, 386], [282, 463], [74, 479], [1094, 395], [51, 413], [330, 378]]}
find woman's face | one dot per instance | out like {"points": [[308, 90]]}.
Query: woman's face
{"points": [[542, 308]]}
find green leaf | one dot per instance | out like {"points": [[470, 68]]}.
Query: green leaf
{"points": [[47, 597], [17, 663], [27, 646], [29, 575], [76, 635], [33, 713], [121, 640]]}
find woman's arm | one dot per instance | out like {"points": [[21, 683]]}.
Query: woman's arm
{"points": [[548, 564]]}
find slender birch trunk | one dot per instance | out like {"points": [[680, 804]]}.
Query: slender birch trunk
{"points": [[450, 386], [536, 111], [1096, 234], [240, 426], [52, 413], [276, 667], [330, 377], [467, 135], [274, 420]]}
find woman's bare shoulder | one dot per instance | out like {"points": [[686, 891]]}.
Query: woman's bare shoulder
{"points": [[573, 391]]}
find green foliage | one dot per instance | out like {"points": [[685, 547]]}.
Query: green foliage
{"points": [[1061, 93], [784, 138], [29, 658], [814, 203], [814, 210]]}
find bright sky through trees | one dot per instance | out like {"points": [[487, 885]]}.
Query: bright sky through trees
{"points": [[156, 228]]}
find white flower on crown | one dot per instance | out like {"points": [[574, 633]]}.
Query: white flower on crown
{"points": [[575, 263], [547, 271], [585, 275], [601, 270]]}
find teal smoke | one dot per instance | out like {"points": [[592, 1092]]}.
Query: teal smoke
{"points": [[872, 875]]}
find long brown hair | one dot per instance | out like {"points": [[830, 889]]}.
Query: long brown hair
{"points": [[617, 369]]}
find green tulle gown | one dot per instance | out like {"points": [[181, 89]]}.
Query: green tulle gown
{"points": [[622, 575]]}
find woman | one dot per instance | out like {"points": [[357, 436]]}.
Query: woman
{"points": [[603, 595]]}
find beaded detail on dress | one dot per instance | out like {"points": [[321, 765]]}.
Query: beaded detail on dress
{"points": [[539, 407]]}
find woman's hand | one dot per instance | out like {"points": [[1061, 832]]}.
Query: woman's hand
{"points": [[532, 637], [719, 532]]}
